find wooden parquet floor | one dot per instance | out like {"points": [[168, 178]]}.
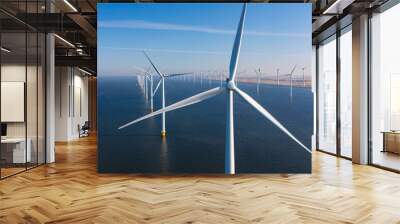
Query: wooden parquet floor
{"points": [[71, 191]]}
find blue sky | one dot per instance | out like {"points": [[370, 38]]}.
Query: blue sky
{"points": [[186, 37]]}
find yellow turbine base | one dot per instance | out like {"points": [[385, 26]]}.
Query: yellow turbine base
{"points": [[163, 133]]}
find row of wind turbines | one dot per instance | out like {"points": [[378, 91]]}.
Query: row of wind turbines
{"points": [[148, 77], [220, 75], [230, 88]]}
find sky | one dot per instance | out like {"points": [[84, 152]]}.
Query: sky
{"points": [[187, 37]]}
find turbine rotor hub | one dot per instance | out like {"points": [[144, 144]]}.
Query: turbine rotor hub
{"points": [[231, 85]]}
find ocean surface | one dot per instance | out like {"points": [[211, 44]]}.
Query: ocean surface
{"points": [[195, 141]]}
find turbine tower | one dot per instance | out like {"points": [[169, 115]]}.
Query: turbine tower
{"points": [[277, 76], [258, 73], [221, 78], [291, 81], [229, 88], [304, 79]]}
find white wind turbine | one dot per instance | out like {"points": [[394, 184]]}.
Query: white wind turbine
{"points": [[291, 80], [141, 81], [230, 88], [162, 78], [258, 73], [147, 76], [277, 76], [221, 77]]}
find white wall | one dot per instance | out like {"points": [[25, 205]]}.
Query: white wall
{"points": [[12, 73], [80, 115], [71, 93], [62, 82]]}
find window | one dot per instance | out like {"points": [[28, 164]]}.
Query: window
{"points": [[327, 95], [346, 92], [385, 89], [22, 88]]}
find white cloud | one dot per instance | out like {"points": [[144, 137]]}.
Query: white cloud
{"points": [[147, 25], [141, 24], [166, 50]]}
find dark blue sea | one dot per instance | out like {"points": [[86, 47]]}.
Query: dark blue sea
{"points": [[195, 141]]}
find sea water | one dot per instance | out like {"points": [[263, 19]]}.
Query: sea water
{"points": [[195, 140]]}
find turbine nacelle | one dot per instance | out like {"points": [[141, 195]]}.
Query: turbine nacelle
{"points": [[230, 84]]}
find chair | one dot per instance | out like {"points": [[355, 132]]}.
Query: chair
{"points": [[84, 130]]}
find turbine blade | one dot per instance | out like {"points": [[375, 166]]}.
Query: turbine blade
{"points": [[155, 68], [269, 116], [155, 90], [294, 68], [236, 45], [178, 74], [183, 103]]}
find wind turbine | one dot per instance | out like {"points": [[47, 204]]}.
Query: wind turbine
{"points": [[291, 81], [277, 76], [141, 81], [230, 88], [258, 73], [147, 76], [162, 78], [221, 77], [304, 79]]}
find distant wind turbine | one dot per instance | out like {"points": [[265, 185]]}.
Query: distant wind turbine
{"points": [[277, 76], [147, 75], [258, 73], [230, 88], [304, 79], [141, 81], [291, 81], [221, 77]]}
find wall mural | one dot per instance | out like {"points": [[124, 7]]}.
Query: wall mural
{"points": [[204, 88]]}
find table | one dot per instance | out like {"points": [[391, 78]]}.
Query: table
{"points": [[391, 141], [15, 148]]}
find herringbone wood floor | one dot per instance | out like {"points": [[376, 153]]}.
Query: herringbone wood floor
{"points": [[71, 191]]}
